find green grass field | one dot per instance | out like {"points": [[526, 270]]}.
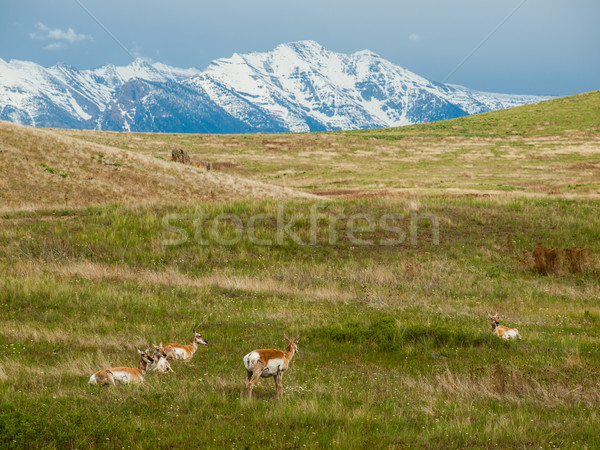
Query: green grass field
{"points": [[396, 349]]}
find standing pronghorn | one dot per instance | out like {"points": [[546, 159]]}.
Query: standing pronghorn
{"points": [[502, 331], [123, 375], [269, 363], [184, 352], [161, 363]]}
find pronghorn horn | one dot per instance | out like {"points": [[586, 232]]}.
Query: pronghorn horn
{"points": [[297, 338], [285, 337]]}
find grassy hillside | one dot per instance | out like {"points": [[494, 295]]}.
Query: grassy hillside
{"points": [[43, 169], [395, 348], [575, 115], [549, 148]]}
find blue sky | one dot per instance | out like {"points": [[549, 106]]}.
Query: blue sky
{"points": [[548, 47]]}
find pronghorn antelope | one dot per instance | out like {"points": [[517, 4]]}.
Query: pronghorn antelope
{"points": [[184, 352], [123, 375], [161, 363], [502, 331], [269, 363]]}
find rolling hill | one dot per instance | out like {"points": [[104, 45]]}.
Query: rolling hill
{"points": [[547, 148], [42, 169]]}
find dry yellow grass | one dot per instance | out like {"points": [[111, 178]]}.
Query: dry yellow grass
{"points": [[103, 273], [43, 169], [510, 385], [350, 165]]}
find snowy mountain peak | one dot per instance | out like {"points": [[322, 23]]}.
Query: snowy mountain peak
{"points": [[297, 86], [366, 53], [140, 62], [306, 47], [62, 66]]}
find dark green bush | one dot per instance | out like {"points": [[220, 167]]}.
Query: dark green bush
{"points": [[385, 334]]}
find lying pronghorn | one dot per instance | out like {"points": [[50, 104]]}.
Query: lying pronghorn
{"points": [[269, 363], [123, 375], [161, 363], [185, 352], [502, 331]]}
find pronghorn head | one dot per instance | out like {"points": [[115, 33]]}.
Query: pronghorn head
{"points": [[145, 358], [158, 348], [292, 344], [159, 351], [197, 339], [494, 320], [160, 357]]}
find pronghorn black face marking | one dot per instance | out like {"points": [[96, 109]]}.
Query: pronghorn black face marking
{"points": [[494, 321], [145, 356], [200, 340], [197, 338]]}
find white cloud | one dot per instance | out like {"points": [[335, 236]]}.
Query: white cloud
{"points": [[55, 46], [60, 37], [414, 37]]}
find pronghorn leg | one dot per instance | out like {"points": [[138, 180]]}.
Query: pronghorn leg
{"points": [[256, 371], [280, 382], [276, 380], [248, 378]]}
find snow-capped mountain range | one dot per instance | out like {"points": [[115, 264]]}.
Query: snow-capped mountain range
{"points": [[296, 87]]}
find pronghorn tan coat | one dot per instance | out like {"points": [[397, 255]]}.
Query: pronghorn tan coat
{"points": [[184, 352], [123, 375], [502, 331], [269, 363]]}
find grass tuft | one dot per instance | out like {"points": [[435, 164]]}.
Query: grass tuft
{"points": [[573, 260]]}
